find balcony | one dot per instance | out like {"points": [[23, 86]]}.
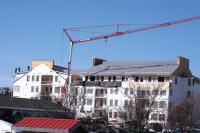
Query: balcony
{"points": [[47, 79], [101, 93], [100, 104], [46, 91], [98, 107], [46, 82]]}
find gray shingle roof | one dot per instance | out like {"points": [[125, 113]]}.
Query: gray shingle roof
{"points": [[134, 68], [28, 104]]}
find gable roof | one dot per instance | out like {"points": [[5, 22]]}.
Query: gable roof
{"points": [[46, 124], [134, 68], [55, 68]]}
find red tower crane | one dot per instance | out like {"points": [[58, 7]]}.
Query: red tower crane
{"points": [[113, 34]]}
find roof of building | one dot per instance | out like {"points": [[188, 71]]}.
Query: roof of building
{"points": [[47, 124], [59, 68], [7, 102], [133, 68]]}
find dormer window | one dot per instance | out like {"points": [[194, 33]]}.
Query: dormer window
{"points": [[123, 78], [92, 78], [97, 78], [114, 78], [136, 79], [109, 78], [102, 78], [141, 79], [149, 78], [86, 78]]}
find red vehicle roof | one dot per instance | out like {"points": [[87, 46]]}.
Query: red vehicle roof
{"points": [[50, 123]]}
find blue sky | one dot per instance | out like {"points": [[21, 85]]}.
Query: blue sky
{"points": [[32, 29]]}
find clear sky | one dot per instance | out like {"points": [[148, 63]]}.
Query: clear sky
{"points": [[32, 29]]}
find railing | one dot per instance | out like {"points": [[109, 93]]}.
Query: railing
{"points": [[102, 83], [46, 82], [100, 95], [99, 107], [43, 93]]}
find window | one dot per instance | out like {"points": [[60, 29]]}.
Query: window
{"points": [[37, 78], [33, 77], [189, 94], [56, 78], [143, 92], [123, 78], [155, 92], [111, 102], [141, 79], [86, 78], [36, 88], [115, 114], [111, 91], [170, 92], [148, 92], [176, 80], [163, 93], [110, 114], [125, 103], [116, 91], [102, 78], [97, 78], [126, 91], [114, 78], [149, 78], [32, 88], [155, 104], [161, 79], [131, 91], [154, 116], [89, 91], [189, 82], [166, 79], [57, 89], [17, 88], [170, 104], [136, 79], [109, 78], [89, 101], [116, 102], [92, 78], [161, 117], [162, 104], [28, 78]]}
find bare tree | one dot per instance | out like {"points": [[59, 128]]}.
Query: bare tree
{"points": [[183, 115], [141, 103], [72, 97]]}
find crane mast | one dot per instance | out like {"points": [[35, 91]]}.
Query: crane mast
{"points": [[113, 34]]}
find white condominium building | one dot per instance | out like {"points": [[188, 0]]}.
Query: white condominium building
{"points": [[108, 86]]}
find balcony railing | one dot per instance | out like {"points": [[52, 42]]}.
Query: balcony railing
{"points": [[100, 107], [102, 83], [46, 82], [43, 93], [101, 95]]}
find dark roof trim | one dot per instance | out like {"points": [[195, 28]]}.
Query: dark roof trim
{"points": [[32, 109]]}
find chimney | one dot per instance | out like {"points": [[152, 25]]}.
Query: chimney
{"points": [[97, 61], [49, 63], [183, 61]]}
